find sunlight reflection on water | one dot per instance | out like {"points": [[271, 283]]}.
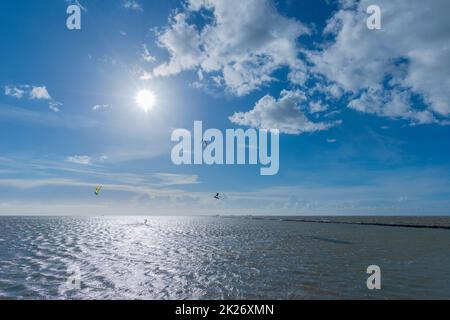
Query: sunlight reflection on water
{"points": [[216, 258]]}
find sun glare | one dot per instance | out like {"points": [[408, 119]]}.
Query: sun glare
{"points": [[146, 100]]}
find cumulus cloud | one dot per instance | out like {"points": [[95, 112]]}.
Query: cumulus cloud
{"points": [[40, 93], [183, 41], [54, 106], [14, 92], [76, 2], [168, 179], [235, 49], [85, 160], [315, 107], [285, 114], [413, 56], [32, 92]]}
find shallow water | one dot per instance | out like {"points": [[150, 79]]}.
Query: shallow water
{"points": [[219, 258]]}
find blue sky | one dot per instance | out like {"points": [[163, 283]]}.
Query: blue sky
{"points": [[363, 114]]}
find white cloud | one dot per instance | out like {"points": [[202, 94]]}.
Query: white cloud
{"points": [[14, 92], [393, 104], [285, 114], [146, 54], [399, 72], [238, 50], [38, 183], [85, 160], [33, 92], [332, 91], [133, 5], [39, 93], [414, 54]]}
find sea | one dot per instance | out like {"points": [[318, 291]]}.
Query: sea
{"points": [[223, 257]]}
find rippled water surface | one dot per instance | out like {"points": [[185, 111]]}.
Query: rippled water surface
{"points": [[218, 258]]}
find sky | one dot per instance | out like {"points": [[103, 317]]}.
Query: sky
{"points": [[363, 114]]}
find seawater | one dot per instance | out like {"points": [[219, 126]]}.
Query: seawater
{"points": [[221, 258]]}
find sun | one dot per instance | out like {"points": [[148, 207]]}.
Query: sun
{"points": [[146, 100]]}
